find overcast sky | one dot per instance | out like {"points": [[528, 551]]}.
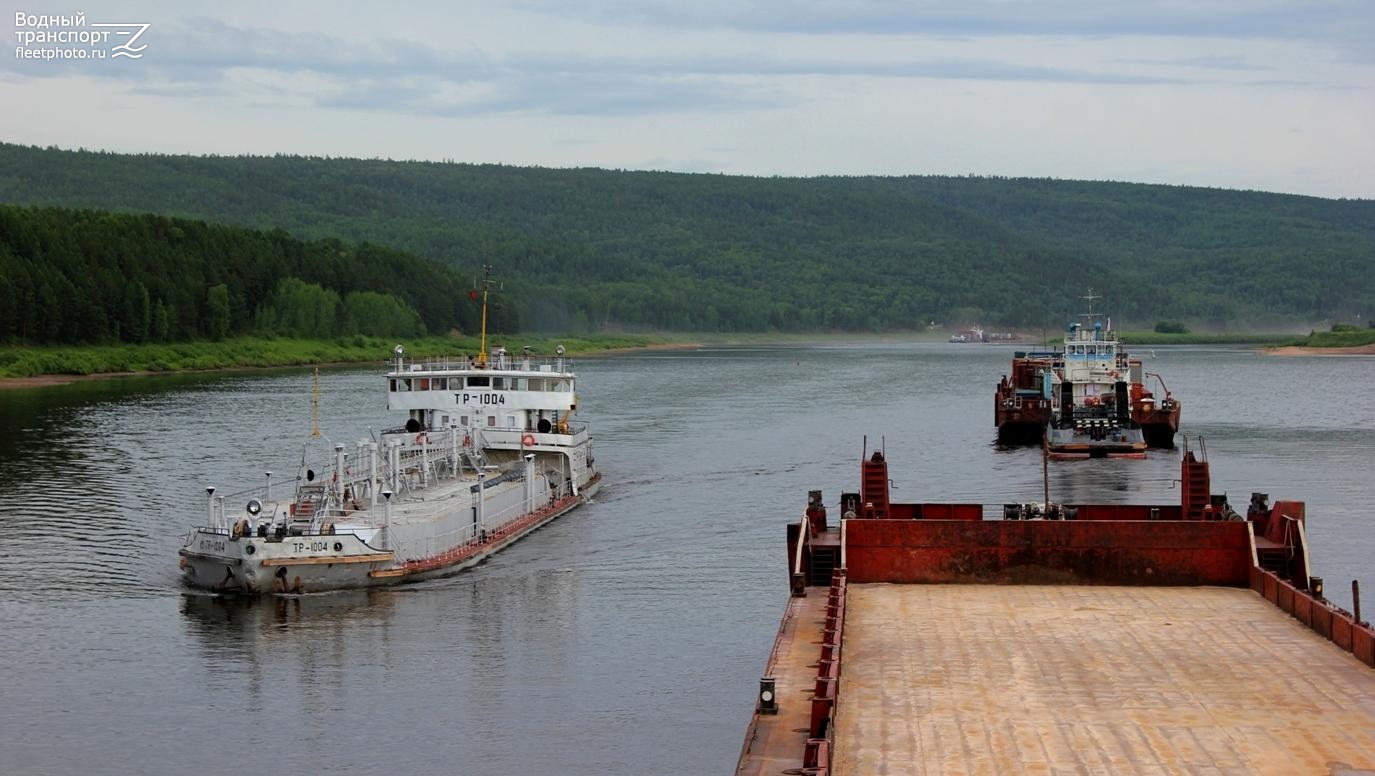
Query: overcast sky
{"points": [[1254, 94]]}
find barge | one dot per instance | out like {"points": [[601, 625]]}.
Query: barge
{"points": [[1061, 638]]}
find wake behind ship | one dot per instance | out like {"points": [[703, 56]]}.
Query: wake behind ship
{"points": [[488, 452]]}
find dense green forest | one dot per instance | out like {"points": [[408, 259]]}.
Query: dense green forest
{"points": [[84, 276], [590, 249]]}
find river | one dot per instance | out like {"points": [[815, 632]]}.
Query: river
{"points": [[626, 637]]}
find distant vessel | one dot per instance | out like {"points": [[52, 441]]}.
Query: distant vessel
{"points": [[1089, 399], [488, 452]]}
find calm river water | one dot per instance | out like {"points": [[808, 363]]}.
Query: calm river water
{"points": [[625, 638]]}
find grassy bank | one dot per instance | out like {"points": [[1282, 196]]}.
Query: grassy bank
{"points": [[1201, 338], [1343, 338], [267, 352]]}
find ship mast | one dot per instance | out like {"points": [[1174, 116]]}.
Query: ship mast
{"points": [[486, 288], [1090, 315], [315, 404]]}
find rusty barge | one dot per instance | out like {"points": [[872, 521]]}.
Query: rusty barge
{"points": [[1061, 638]]}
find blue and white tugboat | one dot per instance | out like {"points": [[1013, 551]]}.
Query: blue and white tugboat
{"points": [[1091, 411], [488, 451]]}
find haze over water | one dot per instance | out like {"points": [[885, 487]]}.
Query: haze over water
{"points": [[626, 637]]}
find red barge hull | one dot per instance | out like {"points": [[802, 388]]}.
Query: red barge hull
{"points": [[923, 637]]}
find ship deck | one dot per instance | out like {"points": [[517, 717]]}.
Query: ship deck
{"points": [[1058, 679], [1032, 679]]}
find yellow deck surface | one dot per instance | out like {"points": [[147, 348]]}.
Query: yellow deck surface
{"points": [[1014, 679]]}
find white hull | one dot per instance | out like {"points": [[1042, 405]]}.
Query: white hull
{"points": [[254, 565]]}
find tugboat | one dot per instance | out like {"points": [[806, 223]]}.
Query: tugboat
{"points": [[488, 452], [1024, 401]]}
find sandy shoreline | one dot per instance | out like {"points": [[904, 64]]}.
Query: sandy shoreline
{"points": [[48, 381], [1295, 350]]}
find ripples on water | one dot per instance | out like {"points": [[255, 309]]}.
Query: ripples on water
{"points": [[625, 637]]}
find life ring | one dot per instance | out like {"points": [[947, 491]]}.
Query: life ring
{"points": [[527, 441]]}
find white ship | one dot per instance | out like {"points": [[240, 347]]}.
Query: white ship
{"points": [[1090, 410], [489, 451]]}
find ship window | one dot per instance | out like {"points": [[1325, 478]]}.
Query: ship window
{"points": [[479, 381], [517, 383], [424, 384], [463, 420], [439, 384], [404, 384], [511, 421], [393, 385], [491, 420], [443, 421]]}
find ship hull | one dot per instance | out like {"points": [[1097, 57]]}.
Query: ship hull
{"points": [[256, 565], [1071, 443], [1026, 425]]}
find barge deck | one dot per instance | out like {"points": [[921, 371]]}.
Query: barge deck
{"points": [[1043, 679], [1150, 639]]}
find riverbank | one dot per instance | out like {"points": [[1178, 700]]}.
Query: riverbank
{"points": [[1302, 350], [37, 367]]}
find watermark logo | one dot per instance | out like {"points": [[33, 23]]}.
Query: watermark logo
{"points": [[51, 36], [126, 49]]}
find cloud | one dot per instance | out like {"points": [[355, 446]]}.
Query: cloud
{"points": [[1214, 62], [208, 57], [1281, 19]]}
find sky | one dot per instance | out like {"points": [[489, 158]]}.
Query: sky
{"points": [[1253, 94]]}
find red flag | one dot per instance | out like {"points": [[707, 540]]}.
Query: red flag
{"points": [[473, 295]]}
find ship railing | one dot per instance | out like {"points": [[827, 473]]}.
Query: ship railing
{"points": [[578, 432], [460, 528], [816, 753], [498, 361]]}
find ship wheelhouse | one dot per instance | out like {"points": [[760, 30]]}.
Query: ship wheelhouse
{"points": [[508, 403]]}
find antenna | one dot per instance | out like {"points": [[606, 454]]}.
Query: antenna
{"points": [[1089, 297]]}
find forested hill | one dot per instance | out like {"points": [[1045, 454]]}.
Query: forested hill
{"points": [[588, 248], [83, 276]]}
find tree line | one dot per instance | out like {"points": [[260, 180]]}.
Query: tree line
{"points": [[84, 276], [595, 250]]}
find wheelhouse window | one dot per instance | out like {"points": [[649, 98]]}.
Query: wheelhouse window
{"points": [[479, 381]]}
